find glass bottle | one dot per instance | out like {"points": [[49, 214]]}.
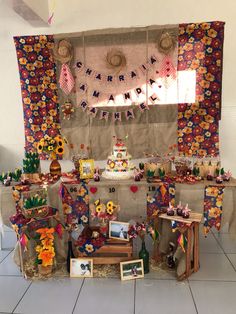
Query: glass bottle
{"points": [[144, 255], [70, 254]]}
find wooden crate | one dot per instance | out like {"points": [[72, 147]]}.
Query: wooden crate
{"points": [[113, 252]]}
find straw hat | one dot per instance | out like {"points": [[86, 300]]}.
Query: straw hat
{"points": [[63, 51], [166, 43], [115, 60]]}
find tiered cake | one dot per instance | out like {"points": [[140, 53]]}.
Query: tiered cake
{"points": [[118, 163]]}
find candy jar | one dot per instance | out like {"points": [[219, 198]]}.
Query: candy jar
{"points": [[96, 175], [219, 179]]}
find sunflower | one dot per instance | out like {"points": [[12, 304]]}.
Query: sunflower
{"points": [[59, 150], [40, 147], [99, 208], [50, 148], [110, 210]]}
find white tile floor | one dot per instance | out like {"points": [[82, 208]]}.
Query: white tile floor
{"points": [[212, 290]]}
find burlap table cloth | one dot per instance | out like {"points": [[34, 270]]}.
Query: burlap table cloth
{"points": [[133, 206]]}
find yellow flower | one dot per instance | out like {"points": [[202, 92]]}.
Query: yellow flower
{"points": [[200, 55], [204, 84], [206, 40], [110, 204], [180, 115], [52, 112], [38, 248], [30, 139], [202, 112], [28, 48], [209, 118], [32, 89], [212, 33], [43, 39], [37, 47], [214, 212], [202, 70], [195, 106], [23, 61], [210, 77], [50, 148], [38, 64], [110, 210], [150, 199], [82, 191], [59, 151], [30, 67], [199, 138], [205, 26], [26, 100], [99, 208], [172, 191], [188, 47], [34, 127], [204, 125], [187, 130], [195, 64], [212, 191], [67, 209], [188, 114]]}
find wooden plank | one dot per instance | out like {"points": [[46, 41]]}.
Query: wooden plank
{"points": [[114, 249], [110, 260], [188, 252], [196, 247], [194, 217]]}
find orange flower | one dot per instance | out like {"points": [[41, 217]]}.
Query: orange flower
{"points": [[212, 33], [46, 233], [47, 243], [47, 257]]}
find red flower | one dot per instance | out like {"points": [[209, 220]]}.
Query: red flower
{"points": [[217, 54], [199, 33], [207, 103], [189, 55], [24, 74], [215, 87], [49, 93], [213, 151], [182, 66], [28, 131], [38, 135], [182, 107], [20, 54], [216, 43], [34, 81], [197, 131], [215, 138], [48, 65], [182, 123], [52, 132], [206, 144], [37, 120], [213, 128], [45, 52], [35, 97], [32, 56], [215, 96], [213, 111], [29, 40], [208, 61], [188, 138], [24, 93], [39, 73], [43, 111], [28, 113], [51, 105], [183, 39], [198, 47]]}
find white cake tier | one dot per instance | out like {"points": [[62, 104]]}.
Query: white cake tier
{"points": [[117, 175], [115, 158]]}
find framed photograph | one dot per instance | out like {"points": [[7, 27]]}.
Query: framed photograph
{"points": [[81, 267], [118, 230], [86, 168], [131, 269]]}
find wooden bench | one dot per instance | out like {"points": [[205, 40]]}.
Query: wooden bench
{"points": [[113, 252], [191, 227]]}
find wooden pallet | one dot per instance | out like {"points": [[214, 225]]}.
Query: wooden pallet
{"points": [[113, 252]]}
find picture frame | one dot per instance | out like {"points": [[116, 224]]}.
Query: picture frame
{"points": [[81, 267], [132, 269], [119, 230], [86, 168]]}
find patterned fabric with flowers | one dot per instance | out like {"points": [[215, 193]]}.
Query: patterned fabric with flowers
{"points": [[213, 200], [76, 210], [160, 199], [201, 50], [38, 88], [90, 245], [45, 249]]}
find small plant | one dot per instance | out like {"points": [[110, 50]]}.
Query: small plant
{"points": [[16, 175], [34, 201], [31, 163]]}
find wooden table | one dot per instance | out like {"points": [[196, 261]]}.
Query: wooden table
{"points": [[191, 226]]}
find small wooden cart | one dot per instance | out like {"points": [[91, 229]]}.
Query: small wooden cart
{"points": [[113, 252], [191, 226]]}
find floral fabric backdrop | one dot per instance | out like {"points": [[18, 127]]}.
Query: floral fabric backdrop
{"points": [[201, 50], [38, 88]]}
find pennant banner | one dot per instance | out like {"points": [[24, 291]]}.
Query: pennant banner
{"points": [[120, 78]]}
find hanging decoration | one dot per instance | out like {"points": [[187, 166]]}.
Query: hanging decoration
{"points": [[213, 199], [167, 43], [117, 57], [63, 52], [38, 88], [67, 110], [201, 51]]}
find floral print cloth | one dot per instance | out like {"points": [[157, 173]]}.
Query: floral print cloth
{"points": [[213, 207], [160, 199], [76, 210], [38, 88], [201, 50]]}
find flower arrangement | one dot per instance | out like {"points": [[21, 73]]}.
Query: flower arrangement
{"points": [[82, 154], [137, 229], [45, 249], [52, 146], [104, 212], [9, 176]]}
